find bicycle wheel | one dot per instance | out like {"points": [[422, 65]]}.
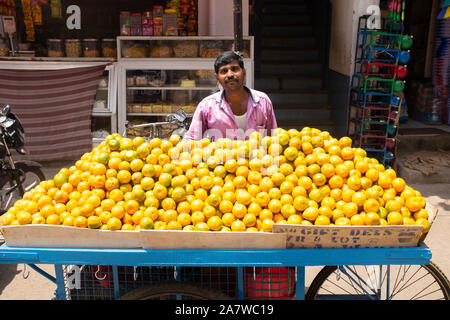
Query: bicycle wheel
{"points": [[173, 290], [410, 282], [33, 176]]}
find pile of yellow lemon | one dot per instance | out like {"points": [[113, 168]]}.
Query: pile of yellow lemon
{"points": [[295, 177]]}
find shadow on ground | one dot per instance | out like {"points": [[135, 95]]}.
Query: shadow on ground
{"points": [[7, 274]]}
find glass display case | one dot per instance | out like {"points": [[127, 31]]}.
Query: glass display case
{"points": [[179, 47], [104, 112], [151, 88]]}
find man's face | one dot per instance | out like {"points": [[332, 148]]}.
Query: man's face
{"points": [[231, 76]]}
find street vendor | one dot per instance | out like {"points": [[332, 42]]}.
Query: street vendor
{"points": [[235, 111]]}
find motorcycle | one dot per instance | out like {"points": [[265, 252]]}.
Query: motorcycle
{"points": [[16, 177]]}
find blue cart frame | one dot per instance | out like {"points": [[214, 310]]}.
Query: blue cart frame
{"points": [[299, 258]]}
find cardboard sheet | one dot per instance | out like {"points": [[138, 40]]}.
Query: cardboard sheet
{"points": [[41, 235], [303, 236], [167, 239]]}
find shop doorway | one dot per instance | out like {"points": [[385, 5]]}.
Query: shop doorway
{"points": [[291, 60]]}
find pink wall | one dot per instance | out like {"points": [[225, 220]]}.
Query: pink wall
{"points": [[215, 17]]}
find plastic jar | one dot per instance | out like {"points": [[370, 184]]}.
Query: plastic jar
{"points": [[158, 24], [158, 11], [147, 23], [125, 23], [170, 22], [136, 24], [55, 48], [109, 48], [73, 48], [91, 48]]}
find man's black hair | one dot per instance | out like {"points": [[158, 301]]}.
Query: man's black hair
{"points": [[226, 58]]}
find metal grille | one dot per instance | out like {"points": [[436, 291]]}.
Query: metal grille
{"points": [[107, 283]]}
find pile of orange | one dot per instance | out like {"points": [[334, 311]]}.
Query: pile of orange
{"points": [[294, 177]]}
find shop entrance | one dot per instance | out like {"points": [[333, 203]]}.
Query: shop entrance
{"points": [[291, 60]]}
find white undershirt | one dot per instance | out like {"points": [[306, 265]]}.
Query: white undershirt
{"points": [[241, 121]]}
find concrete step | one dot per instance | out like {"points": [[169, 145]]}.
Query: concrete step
{"points": [[298, 96], [297, 69], [287, 82], [288, 42], [286, 19], [298, 55], [278, 7], [303, 107], [306, 115], [324, 125], [300, 30]]}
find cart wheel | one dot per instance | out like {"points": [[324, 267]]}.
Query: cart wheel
{"points": [[410, 282], [173, 290]]}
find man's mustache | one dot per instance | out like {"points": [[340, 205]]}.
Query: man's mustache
{"points": [[230, 80]]}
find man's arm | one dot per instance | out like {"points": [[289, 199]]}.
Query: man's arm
{"points": [[271, 120], [198, 125]]}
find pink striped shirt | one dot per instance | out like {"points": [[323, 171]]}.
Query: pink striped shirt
{"points": [[214, 118]]}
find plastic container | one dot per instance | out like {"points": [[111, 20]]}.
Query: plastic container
{"points": [[109, 48], [73, 48], [136, 24], [158, 11], [147, 23], [158, 25], [125, 23], [55, 48], [91, 48], [170, 22]]}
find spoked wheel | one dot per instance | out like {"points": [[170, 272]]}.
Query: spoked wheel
{"points": [[410, 282], [33, 176], [174, 291]]}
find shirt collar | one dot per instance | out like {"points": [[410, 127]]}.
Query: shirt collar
{"points": [[219, 96]]}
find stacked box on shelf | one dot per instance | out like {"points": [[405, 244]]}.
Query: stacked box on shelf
{"points": [[376, 88]]}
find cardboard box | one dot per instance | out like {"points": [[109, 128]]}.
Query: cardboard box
{"points": [[303, 236], [168, 239], [283, 236]]}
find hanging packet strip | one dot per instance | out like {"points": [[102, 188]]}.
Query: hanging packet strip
{"points": [[28, 19], [55, 6], [37, 15]]}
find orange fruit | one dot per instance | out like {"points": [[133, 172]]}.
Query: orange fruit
{"points": [[359, 198], [294, 219], [384, 181], [322, 221], [22, 217], [300, 203], [394, 218], [114, 224], [80, 222], [197, 217], [357, 220], [414, 204], [343, 221], [350, 209], [316, 195], [425, 223], [372, 219], [184, 219], [94, 222], [287, 210], [310, 214], [238, 226], [266, 225], [371, 205]]}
